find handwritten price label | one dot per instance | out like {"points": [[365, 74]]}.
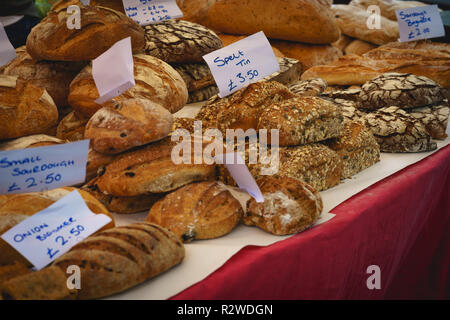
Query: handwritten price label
{"points": [[419, 23], [146, 12], [241, 63], [43, 168], [51, 232]]}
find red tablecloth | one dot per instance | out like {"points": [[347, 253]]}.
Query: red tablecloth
{"points": [[401, 224]]}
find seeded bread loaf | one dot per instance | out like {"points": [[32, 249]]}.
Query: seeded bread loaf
{"points": [[128, 124], [309, 21], [151, 170], [397, 131], [290, 206], [17, 207], [179, 41], [302, 120], [209, 212], [155, 81], [25, 108], [100, 28], [357, 148]]}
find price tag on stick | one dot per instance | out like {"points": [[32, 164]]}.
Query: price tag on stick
{"points": [[43, 168], [51, 232], [7, 51], [419, 23], [113, 71], [241, 63], [240, 173], [146, 12]]}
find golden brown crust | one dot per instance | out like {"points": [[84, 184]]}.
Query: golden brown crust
{"points": [[195, 10], [25, 108], [95, 161], [357, 148], [34, 141], [387, 7], [72, 127], [308, 21], [128, 124], [289, 206], [18, 207], [302, 120], [150, 170], [155, 81], [13, 270], [122, 257], [203, 210], [358, 47], [100, 29]]}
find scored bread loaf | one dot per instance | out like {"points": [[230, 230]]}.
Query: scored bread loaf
{"points": [[100, 28], [311, 87], [127, 124], [179, 41], [357, 148], [210, 211], [72, 127], [151, 170], [17, 207], [25, 108], [353, 22], [53, 76], [155, 81], [434, 118], [309, 21], [33, 141], [119, 258], [358, 47], [290, 206], [302, 120], [195, 75]]}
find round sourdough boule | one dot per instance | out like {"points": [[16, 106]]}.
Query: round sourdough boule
{"points": [[15, 208], [403, 90], [128, 124], [155, 80], [37, 140], [72, 127], [179, 41], [434, 118], [289, 206], [100, 28], [203, 210], [25, 108], [311, 87]]}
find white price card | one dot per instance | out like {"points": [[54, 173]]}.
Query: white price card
{"points": [[240, 173], [146, 12], [241, 63], [113, 71], [419, 23], [7, 51], [50, 233], [43, 168]]}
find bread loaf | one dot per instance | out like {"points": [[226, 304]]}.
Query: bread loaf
{"points": [[357, 148], [17, 207], [72, 127], [178, 41], [302, 120], [402, 90], [128, 124], [353, 22], [11, 271], [309, 21], [210, 211], [290, 71], [397, 131], [25, 108], [434, 119], [100, 28], [120, 258], [289, 206], [53, 76], [311, 87], [37, 140], [195, 75], [342, 42], [387, 7], [309, 55], [151, 170], [358, 47], [203, 94], [155, 81], [95, 161], [195, 10]]}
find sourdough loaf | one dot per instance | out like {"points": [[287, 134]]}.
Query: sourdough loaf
{"points": [[72, 127]]}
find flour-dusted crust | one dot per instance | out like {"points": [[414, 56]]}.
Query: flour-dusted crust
{"points": [[434, 118], [289, 206], [311, 87], [179, 41], [72, 127]]}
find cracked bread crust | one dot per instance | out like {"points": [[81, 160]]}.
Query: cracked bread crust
{"points": [[396, 131], [290, 206], [310, 87], [403, 90], [210, 211], [179, 41], [302, 120], [434, 118], [195, 75]]}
